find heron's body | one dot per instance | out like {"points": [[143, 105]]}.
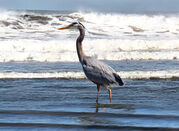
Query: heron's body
{"points": [[98, 72], [95, 70]]}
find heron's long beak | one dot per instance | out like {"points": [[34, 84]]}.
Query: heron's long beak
{"points": [[65, 27]]}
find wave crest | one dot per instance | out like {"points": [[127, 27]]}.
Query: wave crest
{"points": [[113, 25], [171, 74], [33, 36], [65, 50]]}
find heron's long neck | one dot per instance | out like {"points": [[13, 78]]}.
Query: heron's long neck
{"points": [[79, 47]]}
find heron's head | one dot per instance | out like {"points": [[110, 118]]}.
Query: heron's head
{"points": [[72, 25]]}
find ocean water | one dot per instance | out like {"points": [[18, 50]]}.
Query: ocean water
{"points": [[42, 86]]}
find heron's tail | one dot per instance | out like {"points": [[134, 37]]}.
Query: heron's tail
{"points": [[118, 79]]}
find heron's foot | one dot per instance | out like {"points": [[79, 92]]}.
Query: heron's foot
{"points": [[109, 90]]}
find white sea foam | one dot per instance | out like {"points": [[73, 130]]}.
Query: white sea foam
{"points": [[171, 74], [104, 49], [26, 36], [113, 25]]}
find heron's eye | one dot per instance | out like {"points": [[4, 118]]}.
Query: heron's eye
{"points": [[74, 24]]}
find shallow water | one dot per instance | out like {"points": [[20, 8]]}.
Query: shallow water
{"points": [[52, 103], [70, 104]]}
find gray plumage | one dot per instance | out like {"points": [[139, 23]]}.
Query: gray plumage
{"points": [[100, 73], [96, 71]]}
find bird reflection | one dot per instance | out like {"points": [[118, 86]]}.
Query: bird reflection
{"points": [[118, 107]]}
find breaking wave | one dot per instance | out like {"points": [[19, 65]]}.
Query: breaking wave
{"points": [[171, 74], [104, 49], [113, 25], [33, 36]]}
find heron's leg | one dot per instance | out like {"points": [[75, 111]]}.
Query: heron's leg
{"points": [[98, 87], [109, 90]]}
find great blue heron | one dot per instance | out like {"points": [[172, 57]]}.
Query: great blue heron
{"points": [[96, 71]]}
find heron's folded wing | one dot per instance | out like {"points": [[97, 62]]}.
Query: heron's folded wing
{"points": [[98, 71]]}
